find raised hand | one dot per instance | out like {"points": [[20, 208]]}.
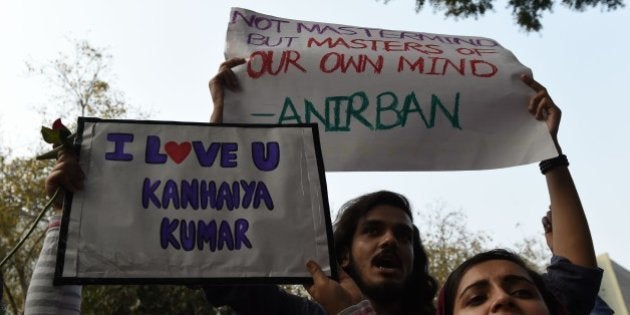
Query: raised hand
{"points": [[542, 107], [332, 295], [548, 227], [225, 78], [66, 174]]}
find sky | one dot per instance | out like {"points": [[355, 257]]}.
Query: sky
{"points": [[164, 53]]}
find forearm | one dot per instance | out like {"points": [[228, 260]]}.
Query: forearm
{"points": [[571, 234], [225, 79], [217, 115], [42, 297]]}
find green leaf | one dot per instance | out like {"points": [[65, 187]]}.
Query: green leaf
{"points": [[51, 136]]}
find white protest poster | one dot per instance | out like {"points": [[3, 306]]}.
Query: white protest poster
{"points": [[386, 100], [171, 202]]}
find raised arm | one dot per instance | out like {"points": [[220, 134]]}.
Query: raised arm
{"points": [[571, 235], [42, 297], [66, 174], [225, 78]]}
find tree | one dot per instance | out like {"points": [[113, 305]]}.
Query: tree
{"points": [[73, 80], [145, 299], [79, 86], [22, 195], [527, 13], [76, 80], [535, 252], [449, 242]]}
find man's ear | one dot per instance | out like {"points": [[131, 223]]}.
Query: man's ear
{"points": [[345, 259]]}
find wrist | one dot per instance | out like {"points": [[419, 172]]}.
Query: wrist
{"points": [[556, 144], [549, 164]]}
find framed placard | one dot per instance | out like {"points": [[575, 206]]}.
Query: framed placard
{"points": [[174, 202]]}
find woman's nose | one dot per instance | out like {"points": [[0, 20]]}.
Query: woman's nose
{"points": [[501, 302]]}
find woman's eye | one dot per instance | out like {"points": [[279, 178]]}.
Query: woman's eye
{"points": [[476, 300]]}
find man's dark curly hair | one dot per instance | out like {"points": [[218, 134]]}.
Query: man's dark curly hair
{"points": [[420, 287]]}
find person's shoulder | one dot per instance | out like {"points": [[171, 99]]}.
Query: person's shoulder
{"points": [[576, 287], [562, 264]]}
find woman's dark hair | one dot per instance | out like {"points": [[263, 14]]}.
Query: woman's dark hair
{"points": [[446, 301], [420, 287]]}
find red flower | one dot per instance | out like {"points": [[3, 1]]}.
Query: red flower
{"points": [[58, 125]]}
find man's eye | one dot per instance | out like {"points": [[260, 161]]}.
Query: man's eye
{"points": [[524, 293], [371, 230], [406, 237]]}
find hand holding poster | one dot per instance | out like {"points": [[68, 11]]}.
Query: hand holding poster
{"points": [[188, 203], [384, 99]]}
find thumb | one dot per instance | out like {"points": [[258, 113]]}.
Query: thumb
{"points": [[319, 277], [350, 286], [343, 275]]}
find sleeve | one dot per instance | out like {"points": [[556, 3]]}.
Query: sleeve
{"points": [[601, 308], [362, 308], [42, 297], [260, 299], [574, 286]]}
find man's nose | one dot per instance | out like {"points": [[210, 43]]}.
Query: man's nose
{"points": [[388, 239]]}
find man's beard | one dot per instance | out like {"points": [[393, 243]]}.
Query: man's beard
{"points": [[385, 293]]}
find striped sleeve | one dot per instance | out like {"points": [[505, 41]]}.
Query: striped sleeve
{"points": [[363, 308], [42, 297]]}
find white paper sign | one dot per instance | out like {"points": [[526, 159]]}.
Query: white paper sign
{"points": [[384, 99], [169, 202]]}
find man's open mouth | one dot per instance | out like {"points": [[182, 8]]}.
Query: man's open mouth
{"points": [[387, 260]]}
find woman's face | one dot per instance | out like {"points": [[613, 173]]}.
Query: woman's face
{"points": [[498, 287]]}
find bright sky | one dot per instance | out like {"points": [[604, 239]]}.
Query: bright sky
{"points": [[166, 51]]}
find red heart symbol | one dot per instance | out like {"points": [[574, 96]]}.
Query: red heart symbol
{"points": [[178, 152]]}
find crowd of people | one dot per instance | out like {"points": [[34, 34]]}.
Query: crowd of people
{"points": [[383, 265]]}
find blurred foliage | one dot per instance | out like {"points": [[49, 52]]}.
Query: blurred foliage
{"points": [[534, 251], [527, 13], [80, 84], [145, 299], [22, 182], [449, 242], [77, 86]]}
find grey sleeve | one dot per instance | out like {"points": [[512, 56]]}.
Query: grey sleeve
{"points": [[44, 298]]}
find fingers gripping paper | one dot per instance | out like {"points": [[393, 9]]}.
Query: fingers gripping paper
{"points": [[384, 99], [178, 202]]}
